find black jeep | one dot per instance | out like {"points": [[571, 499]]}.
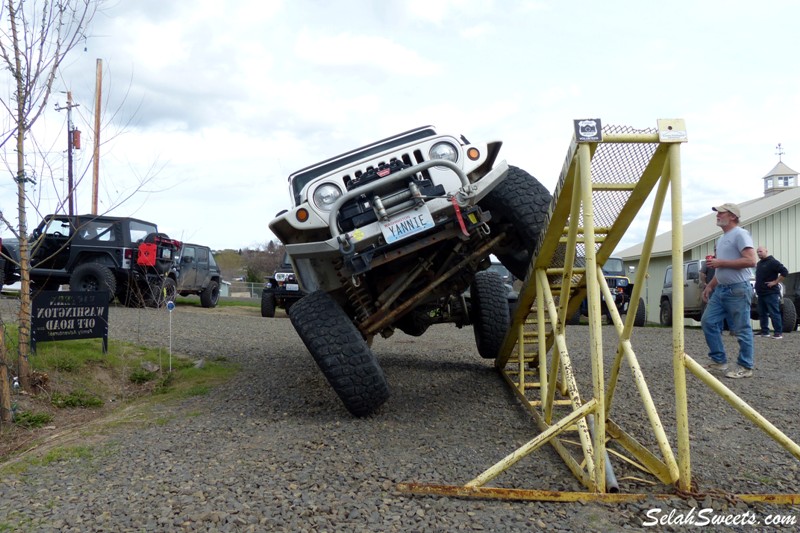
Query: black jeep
{"points": [[281, 289], [127, 257], [195, 272]]}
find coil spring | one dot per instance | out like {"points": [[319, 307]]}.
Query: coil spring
{"points": [[359, 298]]}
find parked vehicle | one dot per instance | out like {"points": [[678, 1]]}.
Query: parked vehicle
{"points": [[693, 304], [281, 289], [195, 271], [621, 289], [125, 256], [390, 235]]}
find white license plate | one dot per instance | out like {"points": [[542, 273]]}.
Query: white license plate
{"points": [[292, 287], [407, 223]]}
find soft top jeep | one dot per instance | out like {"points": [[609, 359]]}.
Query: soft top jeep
{"points": [[280, 290], [127, 257], [390, 235]]}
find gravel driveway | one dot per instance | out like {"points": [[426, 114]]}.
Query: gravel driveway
{"points": [[274, 450]]}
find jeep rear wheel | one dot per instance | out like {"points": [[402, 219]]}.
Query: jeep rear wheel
{"points": [[340, 352], [489, 312], [210, 295], [170, 290], [268, 305], [666, 313], [519, 206], [91, 277], [641, 314], [788, 314]]}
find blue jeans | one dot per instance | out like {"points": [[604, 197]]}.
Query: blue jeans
{"points": [[769, 306], [731, 302]]}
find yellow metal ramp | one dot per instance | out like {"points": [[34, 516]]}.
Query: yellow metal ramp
{"points": [[608, 175]]}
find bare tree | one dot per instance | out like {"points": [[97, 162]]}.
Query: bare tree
{"points": [[36, 37]]}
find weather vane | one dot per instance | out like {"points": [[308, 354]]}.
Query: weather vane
{"points": [[780, 152]]}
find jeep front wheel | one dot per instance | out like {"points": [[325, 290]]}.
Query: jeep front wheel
{"points": [[340, 352], [489, 312], [268, 305], [519, 206], [91, 277], [210, 295]]}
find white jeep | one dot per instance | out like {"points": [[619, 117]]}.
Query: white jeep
{"points": [[390, 235]]}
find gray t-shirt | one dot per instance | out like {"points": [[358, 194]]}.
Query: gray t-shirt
{"points": [[730, 246]]}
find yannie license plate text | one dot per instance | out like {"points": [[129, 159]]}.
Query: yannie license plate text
{"points": [[407, 224]]}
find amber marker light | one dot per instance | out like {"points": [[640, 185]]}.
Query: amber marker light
{"points": [[473, 154], [301, 215]]}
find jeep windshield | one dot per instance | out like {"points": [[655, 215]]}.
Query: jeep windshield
{"points": [[614, 267], [303, 177]]}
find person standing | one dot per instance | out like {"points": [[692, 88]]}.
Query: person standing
{"points": [[729, 294], [769, 273]]}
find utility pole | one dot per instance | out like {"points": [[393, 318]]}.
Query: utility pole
{"points": [[71, 135], [96, 158]]}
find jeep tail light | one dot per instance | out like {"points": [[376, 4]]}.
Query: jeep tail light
{"points": [[127, 257]]}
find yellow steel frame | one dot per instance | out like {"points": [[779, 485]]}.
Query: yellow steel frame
{"points": [[602, 187]]}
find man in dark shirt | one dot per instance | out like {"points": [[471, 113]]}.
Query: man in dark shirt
{"points": [[769, 273]]}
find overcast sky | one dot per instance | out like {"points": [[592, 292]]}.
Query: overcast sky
{"points": [[218, 102]]}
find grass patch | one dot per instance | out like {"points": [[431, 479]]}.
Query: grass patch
{"points": [[79, 383], [76, 398], [31, 420], [194, 301]]}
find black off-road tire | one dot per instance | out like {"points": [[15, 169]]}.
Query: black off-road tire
{"points": [[641, 315], [170, 290], [519, 206], [340, 352], [91, 277], [789, 315], [268, 305], [665, 313], [489, 312], [210, 295]]}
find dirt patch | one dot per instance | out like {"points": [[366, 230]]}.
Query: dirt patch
{"points": [[117, 391]]}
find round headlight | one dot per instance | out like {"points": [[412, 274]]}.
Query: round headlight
{"points": [[325, 196], [444, 150]]}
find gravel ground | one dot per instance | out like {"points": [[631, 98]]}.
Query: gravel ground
{"points": [[274, 450]]}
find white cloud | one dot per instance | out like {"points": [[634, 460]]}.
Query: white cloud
{"points": [[227, 99]]}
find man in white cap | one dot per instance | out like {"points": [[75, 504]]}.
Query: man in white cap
{"points": [[729, 293]]}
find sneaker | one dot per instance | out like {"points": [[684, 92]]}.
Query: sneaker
{"points": [[764, 335], [778, 336], [721, 367], [740, 372]]}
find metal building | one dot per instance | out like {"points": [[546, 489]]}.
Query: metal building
{"points": [[772, 220]]}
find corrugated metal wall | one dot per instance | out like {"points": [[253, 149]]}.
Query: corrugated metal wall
{"points": [[778, 232]]}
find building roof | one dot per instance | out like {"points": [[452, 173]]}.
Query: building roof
{"points": [[781, 170], [705, 229]]}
